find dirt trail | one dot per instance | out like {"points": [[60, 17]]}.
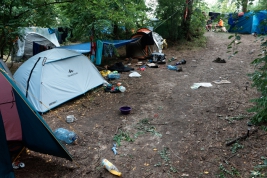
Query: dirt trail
{"points": [[177, 131]]}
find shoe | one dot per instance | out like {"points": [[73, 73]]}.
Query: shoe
{"points": [[219, 60], [179, 69]]}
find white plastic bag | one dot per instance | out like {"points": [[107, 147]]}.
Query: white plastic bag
{"points": [[134, 74]]}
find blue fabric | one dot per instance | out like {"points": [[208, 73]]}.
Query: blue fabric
{"points": [[51, 30], [99, 51], [250, 22], [6, 169], [116, 43], [36, 134], [81, 48], [119, 43]]}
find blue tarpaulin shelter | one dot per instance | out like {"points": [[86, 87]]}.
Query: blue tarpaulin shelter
{"points": [[250, 22], [81, 48], [115, 43]]}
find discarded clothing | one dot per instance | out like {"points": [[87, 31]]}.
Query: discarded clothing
{"points": [[120, 67]]}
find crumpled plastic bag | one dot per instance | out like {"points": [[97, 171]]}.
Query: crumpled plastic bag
{"points": [[134, 74], [197, 85]]}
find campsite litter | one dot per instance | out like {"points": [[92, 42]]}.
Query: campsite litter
{"points": [[113, 75], [120, 67], [18, 165], [115, 88], [221, 81], [176, 68], [134, 74], [171, 59], [152, 65], [70, 119], [181, 62], [125, 109], [104, 73], [197, 85], [65, 135], [114, 148], [158, 57], [142, 68], [219, 60], [110, 167]]}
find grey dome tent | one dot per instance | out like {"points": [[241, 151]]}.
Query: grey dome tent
{"points": [[34, 40], [55, 76]]}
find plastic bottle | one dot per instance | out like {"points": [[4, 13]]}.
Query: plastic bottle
{"points": [[114, 75], [65, 135], [170, 67], [122, 88], [110, 167]]}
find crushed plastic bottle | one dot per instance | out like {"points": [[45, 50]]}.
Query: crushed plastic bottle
{"points": [[170, 67], [65, 135], [114, 148], [110, 167]]}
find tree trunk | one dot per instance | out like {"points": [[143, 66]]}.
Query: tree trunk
{"points": [[186, 20], [244, 5]]}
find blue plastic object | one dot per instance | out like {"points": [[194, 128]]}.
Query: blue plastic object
{"points": [[65, 135], [113, 76], [114, 149], [170, 67]]}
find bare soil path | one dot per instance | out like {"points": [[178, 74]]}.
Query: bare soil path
{"points": [[172, 130]]}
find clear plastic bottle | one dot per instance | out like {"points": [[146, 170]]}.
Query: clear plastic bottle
{"points": [[110, 167], [65, 135]]}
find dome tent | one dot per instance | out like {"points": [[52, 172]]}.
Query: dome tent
{"points": [[55, 76], [32, 41], [22, 126]]}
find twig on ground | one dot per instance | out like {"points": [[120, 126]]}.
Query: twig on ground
{"points": [[175, 154], [240, 138]]}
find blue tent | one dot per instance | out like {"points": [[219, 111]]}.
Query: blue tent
{"points": [[22, 126], [250, 22]]}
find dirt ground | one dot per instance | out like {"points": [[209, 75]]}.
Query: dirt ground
{"points": [[172, 130]]}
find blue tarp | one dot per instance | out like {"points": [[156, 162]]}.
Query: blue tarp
{"points": [[86, 47], [250, 22], [116, 43], [119, 43], [80, 48]]}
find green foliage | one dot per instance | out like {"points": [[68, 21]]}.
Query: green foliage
{"points": [[260, 82], [235, 147], [164, 154], [223, 6], [20, 13], [260, 170], [122, 135], [173, 23], [90, 17], [145, 127], [224, 172]]}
